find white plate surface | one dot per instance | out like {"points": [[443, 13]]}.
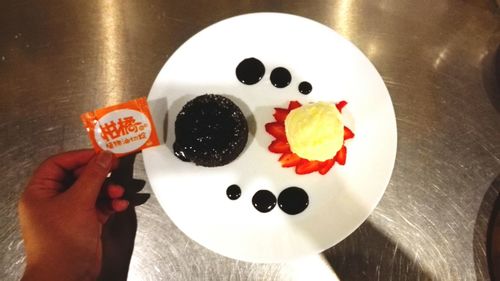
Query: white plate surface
{"points": [[195, 198]]}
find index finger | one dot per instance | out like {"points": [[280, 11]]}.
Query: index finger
{"points": [[56, 167]]}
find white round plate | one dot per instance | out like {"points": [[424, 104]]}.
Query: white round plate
{"points": [[194, 197]]}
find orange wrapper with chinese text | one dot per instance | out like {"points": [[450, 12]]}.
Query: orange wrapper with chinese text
{"points": [[122, 129]]}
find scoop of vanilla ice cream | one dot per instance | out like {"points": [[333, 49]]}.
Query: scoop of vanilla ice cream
{"points": [[315, 131]]}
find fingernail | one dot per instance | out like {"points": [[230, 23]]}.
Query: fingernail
{"points": [[104, 159], [120, 205], [116, 191]]}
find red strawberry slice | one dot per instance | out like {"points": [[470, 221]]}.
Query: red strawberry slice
{"points": [[280, 114], [341, 155], [348, 134], [293, 105], [307, 167], [325, 166], [279, 146], [289, 160], [276, 130], [341, 105]]}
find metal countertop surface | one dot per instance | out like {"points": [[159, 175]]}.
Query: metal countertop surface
{"points": [[59, 59]]}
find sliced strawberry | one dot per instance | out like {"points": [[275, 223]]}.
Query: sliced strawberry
{"points": [[293, 105], [325, 166], [280, 114], [279, 146], [341, 155], [289, 160], [348, 134], [307, 167], [341, 105], [276, 130]]}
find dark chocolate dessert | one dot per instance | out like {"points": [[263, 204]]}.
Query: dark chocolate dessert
{"points": [[210, 131]]}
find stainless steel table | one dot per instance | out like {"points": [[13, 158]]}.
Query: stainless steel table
{"points": [[61, 58]]}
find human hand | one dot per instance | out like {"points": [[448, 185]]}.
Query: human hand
{"points": [[62, 212]]}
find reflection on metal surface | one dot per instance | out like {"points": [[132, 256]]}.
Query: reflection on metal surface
{"points": [[342, 17], [371, 50], [482, 55], [441, 57], [111, 49]]}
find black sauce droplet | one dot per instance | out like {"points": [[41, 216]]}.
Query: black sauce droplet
{"points": [[293, 200], [250, 71], [179, 153], [280, 77], [264, 201], [305, 87], [233, 192]]}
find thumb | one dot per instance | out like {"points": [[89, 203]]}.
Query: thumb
{"points": [[89, 183]]}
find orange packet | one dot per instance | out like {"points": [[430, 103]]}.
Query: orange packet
{"points": [[122, 129]]}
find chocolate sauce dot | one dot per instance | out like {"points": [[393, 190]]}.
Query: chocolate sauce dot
{"points": [[305, 87], [280, 77], [233, 192], [264, 201], [293, 200], [250, 71]]}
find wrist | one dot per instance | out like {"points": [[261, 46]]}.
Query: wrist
{"points": [[46, 272]]}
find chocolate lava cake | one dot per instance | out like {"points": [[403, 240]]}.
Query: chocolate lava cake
{"points": [[210, 131]]}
